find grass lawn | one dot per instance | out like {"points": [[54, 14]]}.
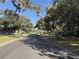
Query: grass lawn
{"points": [[5, 38], [73, 44]]}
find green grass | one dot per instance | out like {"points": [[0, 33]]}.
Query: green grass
{"points": [[5, 38], [73, 44]]}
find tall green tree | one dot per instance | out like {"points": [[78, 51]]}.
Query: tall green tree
{"points": [[11, 24], [40, 24], [63, 15]]}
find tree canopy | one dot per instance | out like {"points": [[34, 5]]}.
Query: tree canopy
{"points": [[20, 5], [40, 24], [63, 17], [9, 24]]}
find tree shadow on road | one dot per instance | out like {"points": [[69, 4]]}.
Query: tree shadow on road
{"points": [[41, 44]]}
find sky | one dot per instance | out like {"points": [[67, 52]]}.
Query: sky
{"points": [[31, 14]]}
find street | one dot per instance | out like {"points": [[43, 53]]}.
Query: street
{"points": [[34, 47]]}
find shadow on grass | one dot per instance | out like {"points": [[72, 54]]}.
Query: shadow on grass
{"points": [[46, 48]]}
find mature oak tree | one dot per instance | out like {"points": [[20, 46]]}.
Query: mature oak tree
{"points": [[63, 17]]}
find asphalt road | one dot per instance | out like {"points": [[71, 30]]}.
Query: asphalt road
{"points": [[34, 47]]}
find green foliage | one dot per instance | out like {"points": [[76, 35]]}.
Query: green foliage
{"points": [[26, 24], [11, 21], [20, 5], [10, 24], [40, 24], [62, 18]]}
